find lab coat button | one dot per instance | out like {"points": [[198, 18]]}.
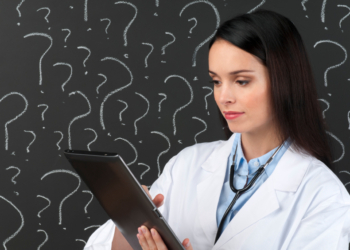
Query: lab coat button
{"points": [[256, 164]]}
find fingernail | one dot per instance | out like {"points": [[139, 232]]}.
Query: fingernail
{"points": [[153, 231], [140, 231], [188, 244], [143, 229]]}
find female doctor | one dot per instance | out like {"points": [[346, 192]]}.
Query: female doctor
{"points": [[270, 186]]}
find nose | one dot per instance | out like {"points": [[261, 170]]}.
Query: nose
{"points": [[225, 94]]}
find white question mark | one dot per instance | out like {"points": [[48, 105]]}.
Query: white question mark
{"points": [[65, 39], [162, 94], [335, 66], [59, 132], [327, 103], [92, 196], [21, 226], [41, 58], [184, 106], [205, 124], [133, 147], [126, 106], [127, 27], [163, 152], [210, 37], [114, 91], [171, 42], [148, 168], [77, 117], [341, 144], [65, 198], [262, 2], [42, 114], [10, 121], [19, 13], [46, 238], [48, 13], [45, 198], [143, 114], [83, 47], [88, 146], [341, 20], [71, 72], [205, 97], [32, 140], [13, 178], [195, 23], [105, 77], [148, 53], [109, 23], [91, 227], [303, 4]]}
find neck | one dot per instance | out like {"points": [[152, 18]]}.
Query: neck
{"points": [[255, 145]]}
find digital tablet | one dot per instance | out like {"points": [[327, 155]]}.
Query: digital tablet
{"points": [[121, 195]]}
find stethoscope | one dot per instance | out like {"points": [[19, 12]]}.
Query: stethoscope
{"points": [[239, 192]]}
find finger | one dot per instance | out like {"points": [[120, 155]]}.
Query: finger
{"points": [[147, 235], [158, 200], [142, 241], [187, 244], [158, 240]]}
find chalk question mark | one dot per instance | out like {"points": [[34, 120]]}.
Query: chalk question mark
{"points": [[171, 42], [71, 72], [42, 114], [143, 114], [184, 106], [105, 77], [211, 36], [19, 12], [148, 53], [83, 47], [341, 144], [45, 198], [46, 238], [13, 178], [327, 103], [163, 152], [48, 13], [126, 106], [205, 97], [88, 146], [205, 124], [41, 58], [86, 10], [114, 91], [65, 39], [77, 117], [127, 27], [32, 140], [70, 194], [59, 132], [335, 66], [20, 227], [162, 94], [341, 20], [92, 196], [10, 121], [148, 168], [109, 23], [195, 23]]}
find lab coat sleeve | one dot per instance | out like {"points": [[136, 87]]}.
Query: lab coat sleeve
{"points": [[102, 238], [325, 227]]}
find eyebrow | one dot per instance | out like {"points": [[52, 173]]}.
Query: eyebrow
{"points": [[234, 72]]}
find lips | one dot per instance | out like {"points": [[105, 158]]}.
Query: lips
{"points": [[230, 115]]}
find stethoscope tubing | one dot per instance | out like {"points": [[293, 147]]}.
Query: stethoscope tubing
{"points": [[241, 191]]}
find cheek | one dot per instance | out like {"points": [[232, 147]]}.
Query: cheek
{"points": [[258, 103]]}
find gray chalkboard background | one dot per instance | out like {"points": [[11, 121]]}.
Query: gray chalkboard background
{"points": [[128, 77]]}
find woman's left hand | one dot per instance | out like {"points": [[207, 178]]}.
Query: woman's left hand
{"points": [[153, 241]]}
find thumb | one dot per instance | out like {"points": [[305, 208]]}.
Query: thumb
{"points": [[187, 244]]}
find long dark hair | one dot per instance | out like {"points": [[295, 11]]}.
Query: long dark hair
{"points": [[275, 40]]}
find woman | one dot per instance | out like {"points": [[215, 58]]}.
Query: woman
{"points": [[263, 86]]}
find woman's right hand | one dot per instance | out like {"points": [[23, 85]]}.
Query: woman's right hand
{"points": [[158, 199]]}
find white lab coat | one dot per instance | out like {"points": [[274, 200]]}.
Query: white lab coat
{"points": [[302, 205]]}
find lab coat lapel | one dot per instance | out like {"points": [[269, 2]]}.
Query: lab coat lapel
{"points": [[209, 189]]}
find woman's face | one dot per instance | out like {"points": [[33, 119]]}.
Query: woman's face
{"points": [[241, 84]]}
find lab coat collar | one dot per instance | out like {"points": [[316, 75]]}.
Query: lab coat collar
{"points": [[287, 177]]}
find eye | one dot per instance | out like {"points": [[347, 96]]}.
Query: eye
{"points": [[242, 83], [214, 82]]}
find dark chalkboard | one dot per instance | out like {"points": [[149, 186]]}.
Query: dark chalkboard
{"points": [[130, 77]]}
